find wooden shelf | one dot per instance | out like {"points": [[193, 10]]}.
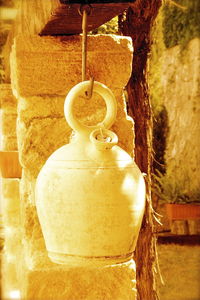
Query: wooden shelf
{"points": [[167, 238]]}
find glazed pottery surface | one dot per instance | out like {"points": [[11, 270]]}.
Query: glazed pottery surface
{"points": [[90, 194]]}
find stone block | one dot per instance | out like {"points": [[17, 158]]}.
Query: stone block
{"points": [[124, 128], [37, 107], [31, 108], [31, 227], [52, 65], [34, 148], [92, 111], [10, 202], [7, 100], [9, 143], [12, 244], [34, 250], [27, 189], [81, 283], [179, 227], [10, 191], [9, 124], [194, 226]]}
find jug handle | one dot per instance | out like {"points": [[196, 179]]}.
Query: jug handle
{"points": [[79, 90]]}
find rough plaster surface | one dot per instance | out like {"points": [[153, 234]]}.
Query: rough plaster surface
{"points": [[180, 269], [181, 82], [43, 71]]}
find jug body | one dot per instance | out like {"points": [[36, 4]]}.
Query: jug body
{"points": [[90, 198], [90, 211]]}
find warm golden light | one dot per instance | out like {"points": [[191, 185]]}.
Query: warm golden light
{"points": [[15, 294]]}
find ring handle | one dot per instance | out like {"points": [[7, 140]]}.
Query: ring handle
{"points": [[79, 90]]}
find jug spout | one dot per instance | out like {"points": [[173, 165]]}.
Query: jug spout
{"points": [[103, 139]]}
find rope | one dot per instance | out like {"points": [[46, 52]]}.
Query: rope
{"points": [[84, 45], [85, 11]]}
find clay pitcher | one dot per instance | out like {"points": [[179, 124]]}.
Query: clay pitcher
{"points": [[90, 194]]}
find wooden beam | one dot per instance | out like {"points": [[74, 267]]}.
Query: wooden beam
{"points": [[51, 17], [66, 19], [95, 1]]}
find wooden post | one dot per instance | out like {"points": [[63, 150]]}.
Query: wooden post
{"points": [[137, 24]]}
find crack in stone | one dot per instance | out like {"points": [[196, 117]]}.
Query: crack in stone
{"points": [[50, 117]]}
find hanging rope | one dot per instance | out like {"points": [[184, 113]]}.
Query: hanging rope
{"points": [[84, 45], [84, 11]]}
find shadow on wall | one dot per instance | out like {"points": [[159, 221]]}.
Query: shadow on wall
{"points": [[160, 133]]}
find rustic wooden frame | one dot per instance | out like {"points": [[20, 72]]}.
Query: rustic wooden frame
{"points": [[94, 1], [62, 17]]}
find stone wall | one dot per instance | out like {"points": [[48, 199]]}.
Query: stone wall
{"points": [[181, 83], [43, 70], [180, 264]]}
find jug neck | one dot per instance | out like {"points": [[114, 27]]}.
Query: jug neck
{"points": [[98, 140]]}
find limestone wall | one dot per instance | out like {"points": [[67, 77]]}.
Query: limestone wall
{"points": [[180, 264], [181, 82], [43, 70]]}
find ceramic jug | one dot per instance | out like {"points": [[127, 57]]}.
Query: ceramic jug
{"points": [[90, 194]]}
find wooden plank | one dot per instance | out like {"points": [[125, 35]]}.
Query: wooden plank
{"points": [[178, 239], [67, 20], [95, 1], [51, 17]]}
